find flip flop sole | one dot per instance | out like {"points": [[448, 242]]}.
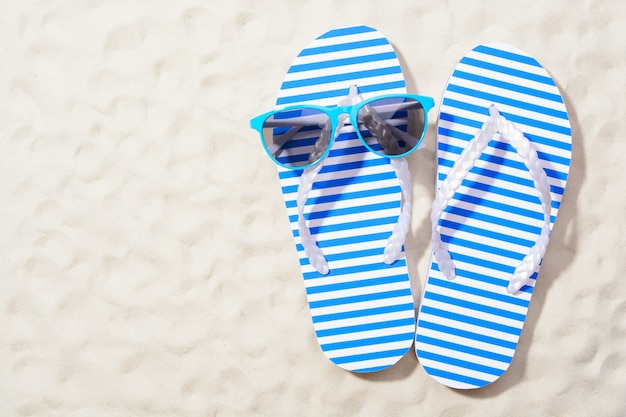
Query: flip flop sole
{"points": [[468, 328], [362, 311]]}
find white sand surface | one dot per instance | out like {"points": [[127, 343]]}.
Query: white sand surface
{"points": [[147, 266]]}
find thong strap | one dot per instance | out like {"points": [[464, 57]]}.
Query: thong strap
{"points": [[499, 128]]}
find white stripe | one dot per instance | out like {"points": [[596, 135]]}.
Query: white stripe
{"points": [[363, 350], [355, 202], [468, 327], [471, 313], [489, 226], [494, 75], [363, 305], [500, 152], [475, 359], [464, 341], [374, 318], [485, 240], [483, 301], [508, 63], [352, 53], [345, 69], [372, 363], [365, 290], [350, 233], [505, 108], [347, 337], [481, 118], [502, 92], [454, 369], [494, 288], [359, 82], [348, 38], [354, 217], [327, 280]]}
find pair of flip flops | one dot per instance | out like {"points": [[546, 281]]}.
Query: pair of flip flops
{"points": [[503, 155]]}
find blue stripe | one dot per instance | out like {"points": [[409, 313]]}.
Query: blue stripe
{"points": [[476, 124], [465, 349], [340, 182], [372, 369], [455, 286], [456, 377], [331, 198], [487, 233], [506, 70], [493, 219], [483, 278], [342, 62], [351, 30], [511, 117], [320, 185], [370, 356], [347, 210], [359, 298], [361, 253], [344, 47], [333, 153], [342, 92], [366, 327], [475, 306], [507, 269], [363, 313], [524, 59], [341, 77], [505, 161], [492, 174], [503, 191], [349, 240], [453, 331], [368, 342], [486, 249], [362, 283], [392, 220], [343, 166], [507, 86], [460, 363], [471, 320], [507, 101], [364, 163], [355, 269]]}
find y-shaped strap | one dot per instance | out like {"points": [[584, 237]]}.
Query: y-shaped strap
{"points": [[465, 162], [393, 249]]}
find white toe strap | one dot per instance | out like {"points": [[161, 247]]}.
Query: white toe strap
{"points": [[393, 249], [511, 134]]}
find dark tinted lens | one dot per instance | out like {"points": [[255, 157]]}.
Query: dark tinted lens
{"points": [[392, 126], [297, 137]]}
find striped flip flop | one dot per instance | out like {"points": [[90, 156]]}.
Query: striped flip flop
{"points": [[362, 309], [504, 150]]}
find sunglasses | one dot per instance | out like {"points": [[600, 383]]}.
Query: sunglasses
{"points": [[298, 137]]}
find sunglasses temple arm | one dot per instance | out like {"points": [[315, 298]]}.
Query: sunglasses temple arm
{"points": [[399, 134], [276, 147]]}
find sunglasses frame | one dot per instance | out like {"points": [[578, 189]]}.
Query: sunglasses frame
{"points": [[333, 114]]}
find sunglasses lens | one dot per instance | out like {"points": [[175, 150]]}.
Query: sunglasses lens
{"points": [[297, 137], [392, 126]]}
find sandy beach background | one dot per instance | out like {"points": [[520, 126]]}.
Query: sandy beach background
{"points": [[147, 266]]}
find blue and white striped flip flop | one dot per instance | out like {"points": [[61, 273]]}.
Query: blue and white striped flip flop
{"points": [[504, 150], [362, 307]]}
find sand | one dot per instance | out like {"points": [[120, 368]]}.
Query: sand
{"points": [[147, 267]]}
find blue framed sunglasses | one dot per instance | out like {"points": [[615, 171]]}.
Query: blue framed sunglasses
{"points": [[300, 136]]}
